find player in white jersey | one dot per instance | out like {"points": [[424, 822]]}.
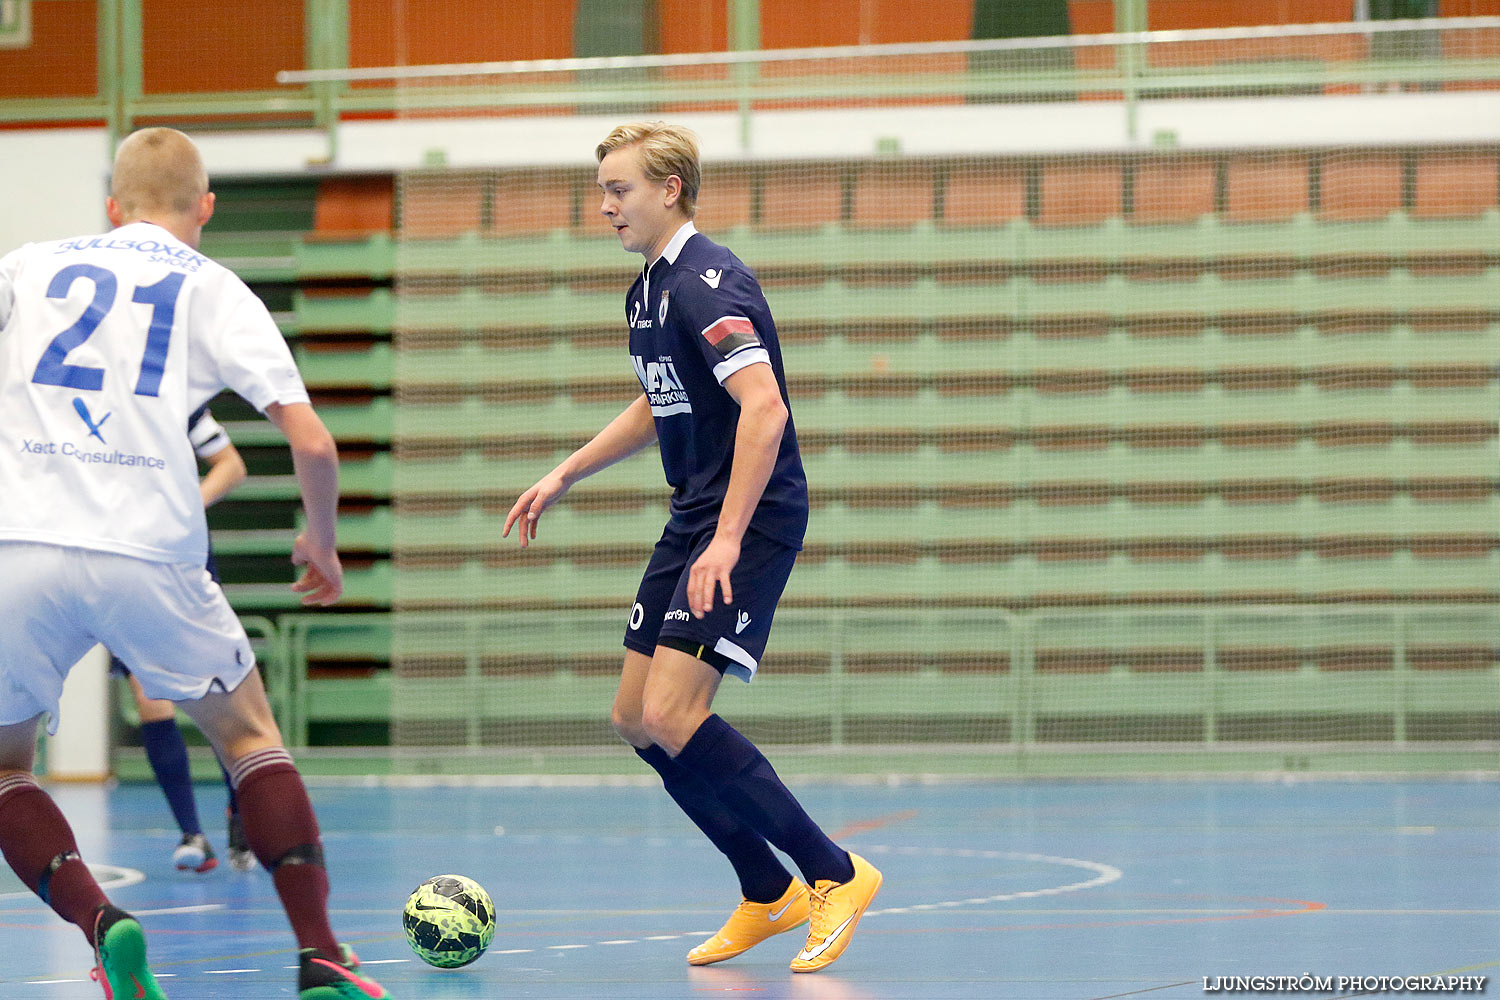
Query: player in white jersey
{"points": [[107, 344]]}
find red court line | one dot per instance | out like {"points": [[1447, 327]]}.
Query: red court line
{"points": [[865, 826]]}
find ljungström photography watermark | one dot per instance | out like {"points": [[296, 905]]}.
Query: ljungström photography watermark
{"points": [[1345, 985]]}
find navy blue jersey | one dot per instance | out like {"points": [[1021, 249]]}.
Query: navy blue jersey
{"points": [[696, 317]]}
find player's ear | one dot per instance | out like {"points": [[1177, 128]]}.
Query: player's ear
{"points": [[673, 185], [115, 213], [206, 208]]}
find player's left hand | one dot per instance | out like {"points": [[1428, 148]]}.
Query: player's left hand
{"points": [[711, 570], [323, 582]]}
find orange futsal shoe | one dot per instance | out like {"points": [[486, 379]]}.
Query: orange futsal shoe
{"points": [[836, 909], [751, 923]]}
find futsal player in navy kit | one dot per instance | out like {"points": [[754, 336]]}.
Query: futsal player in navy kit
{"points": [[704, 348], [161, 738]]}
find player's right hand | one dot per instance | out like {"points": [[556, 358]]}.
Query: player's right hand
{"points": [[323, 582], [531, 505]]}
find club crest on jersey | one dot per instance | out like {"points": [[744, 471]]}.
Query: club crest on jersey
{"points": [[661, 311]]}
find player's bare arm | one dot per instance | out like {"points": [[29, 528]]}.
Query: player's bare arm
{"points": [[316, 461], [622, 437], [226, 470], [763, 417]]}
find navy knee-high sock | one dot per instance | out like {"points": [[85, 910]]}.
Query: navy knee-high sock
{"points": [[763, 878], [745, 781], [168, 755], [234, 800]]}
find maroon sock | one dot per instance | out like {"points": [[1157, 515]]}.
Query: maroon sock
{"points": [[39, 845], [283, 832]]}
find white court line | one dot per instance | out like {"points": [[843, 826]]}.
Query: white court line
{"points": [[197, 908], [109, 877], [1103, 874]]}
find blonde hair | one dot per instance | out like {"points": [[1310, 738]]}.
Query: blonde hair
{"points": [[666, 151], [158, 170]]}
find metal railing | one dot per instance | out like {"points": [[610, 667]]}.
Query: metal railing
{"points": [[1024, 692], [1122, 65]]}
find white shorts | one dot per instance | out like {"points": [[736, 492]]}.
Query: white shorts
{"points": [[169, 622]]}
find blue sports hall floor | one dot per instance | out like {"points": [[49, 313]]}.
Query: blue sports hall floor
{"points": [[1068, 889]]}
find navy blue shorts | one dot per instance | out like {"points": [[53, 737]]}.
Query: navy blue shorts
{"points": [[737, 633]]}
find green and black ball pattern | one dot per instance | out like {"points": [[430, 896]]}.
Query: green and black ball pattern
{"points": [[449, 921]]}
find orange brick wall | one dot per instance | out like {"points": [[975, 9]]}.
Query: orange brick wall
{"points": [[192, 46], [61, 60], [420, 32], [1097, 17], [791, 24], [693, 26], [195, 47]]}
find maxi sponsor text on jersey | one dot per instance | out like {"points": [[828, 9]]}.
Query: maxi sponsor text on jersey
{"points": [[664, 389]]}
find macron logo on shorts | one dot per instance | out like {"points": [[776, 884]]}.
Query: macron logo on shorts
{"points": [[741, 622]]}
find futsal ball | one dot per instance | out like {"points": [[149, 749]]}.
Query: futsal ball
{"points": [[449, 921]]}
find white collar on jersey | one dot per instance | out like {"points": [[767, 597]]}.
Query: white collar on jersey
{"points": [[675, 244]]}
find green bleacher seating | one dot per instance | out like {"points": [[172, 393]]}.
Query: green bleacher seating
{"points": [[342, 367], [373, 312], [1208, 299], [1049, 571], [293, 239], [362, 421], [359, 476], [255, 257], [1124, 397], [364, 587], [339, 675], [368, 256], [982, 254], [257, 225], [359, 531]]}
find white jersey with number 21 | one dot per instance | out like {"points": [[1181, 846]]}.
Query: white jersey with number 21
{"points": [[107, 345]]}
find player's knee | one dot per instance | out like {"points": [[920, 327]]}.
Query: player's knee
{"points": [[17, 750], [13, 778], [152, 710], [669, 722], [628, 726], [235, 731], [235, 747], [656, 710]]}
